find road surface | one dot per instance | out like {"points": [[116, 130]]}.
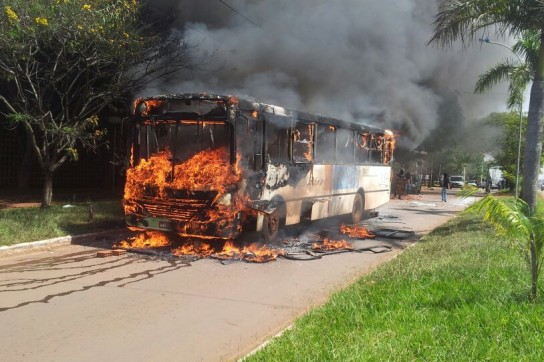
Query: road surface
{"points": [[65, 304]]}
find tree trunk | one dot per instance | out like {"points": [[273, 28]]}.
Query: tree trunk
{"points": [[533, 145], [533, 141], [47, 189], [534, 270]]}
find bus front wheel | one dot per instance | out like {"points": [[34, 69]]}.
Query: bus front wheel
{"points": [[272, 224], [358, 209]]}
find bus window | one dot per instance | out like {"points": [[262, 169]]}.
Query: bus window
{"points": [[249, 142], [376, 148], [363, 147], [151, 139], [303, 143], [277, 142], [325, 144], [243, 134], [182, 140], [344, 146], [389, 147]]}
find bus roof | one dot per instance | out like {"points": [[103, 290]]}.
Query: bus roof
{"points": [[262, 108]]}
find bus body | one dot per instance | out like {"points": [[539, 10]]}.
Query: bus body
{"points": [[209, 166]]}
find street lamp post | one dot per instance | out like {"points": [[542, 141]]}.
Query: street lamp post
{"points": [[486, 40]]}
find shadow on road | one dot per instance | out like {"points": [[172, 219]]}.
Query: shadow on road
{"points": [[68, 273]]}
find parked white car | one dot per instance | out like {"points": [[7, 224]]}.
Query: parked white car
{"points": [[457, 181]]}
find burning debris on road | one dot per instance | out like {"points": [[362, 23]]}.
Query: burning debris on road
{"points": [[356, 232], [172, 245], [178, 246], [327, 245]]}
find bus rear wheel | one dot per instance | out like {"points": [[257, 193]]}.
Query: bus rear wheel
{"points": [[271, 225], [358, 209]]}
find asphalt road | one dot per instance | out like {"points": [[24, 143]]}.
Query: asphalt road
{"points": [[65, 304]]}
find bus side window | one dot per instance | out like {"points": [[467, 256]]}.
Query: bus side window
{"points": [[277, 142], [303, 143], [325, 144], [344, 146], [258, 160], [376, 147], [363, 147], [243, 134], [389, 148]]}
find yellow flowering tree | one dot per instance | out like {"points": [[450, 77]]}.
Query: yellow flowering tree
{"points": [[65, 61]]}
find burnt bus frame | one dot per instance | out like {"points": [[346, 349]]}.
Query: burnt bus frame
{"points": [[239, 109]]}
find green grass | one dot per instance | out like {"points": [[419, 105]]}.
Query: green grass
{"points": [[30, 224], [460, 294]]}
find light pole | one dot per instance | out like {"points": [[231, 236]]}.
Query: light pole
{"points": [[486, 40]]}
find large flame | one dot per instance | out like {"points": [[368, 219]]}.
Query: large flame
{"points": [[205, 171], [208, 170], [359, 232]]}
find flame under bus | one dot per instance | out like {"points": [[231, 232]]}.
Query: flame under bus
{"points": [[210, 166]]}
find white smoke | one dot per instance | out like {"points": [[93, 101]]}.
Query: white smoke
{"points": [[359, 60]]}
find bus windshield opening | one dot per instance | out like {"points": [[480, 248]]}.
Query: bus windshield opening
{"points": [[180, 139]]}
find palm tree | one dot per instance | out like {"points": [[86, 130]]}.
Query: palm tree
{"points": [[519, 74], [464, 20], [519, 224]]}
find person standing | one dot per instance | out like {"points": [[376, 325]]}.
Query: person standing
{"points": [[401, 184], [408, 183], [445, 186]]}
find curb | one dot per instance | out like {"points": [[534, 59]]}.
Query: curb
{"points": [[58, 241]]}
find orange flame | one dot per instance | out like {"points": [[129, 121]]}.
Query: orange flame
{"points": [[389, 146], [146, 107], [208, 170], [359, 232], [328, 244], [306, 144], [147, 239], [254, 252], [198, 249], [205, 171]]}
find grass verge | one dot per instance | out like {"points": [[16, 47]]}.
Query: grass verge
{"points": [[460, 294], [30, 224]]}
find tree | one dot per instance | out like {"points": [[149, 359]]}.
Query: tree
{"points": [[507, 141], [464, 20], [65, 61], [518, 74], [519, 224]]}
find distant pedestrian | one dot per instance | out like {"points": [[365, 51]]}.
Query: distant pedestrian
{"points": [[408, 185], [401, 184], [445, 186]]}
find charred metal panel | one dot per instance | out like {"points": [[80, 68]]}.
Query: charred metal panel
{"points": [[276, 176]]}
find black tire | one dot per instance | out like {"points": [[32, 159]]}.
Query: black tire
{"points": [[358, 209], [272, 224]]}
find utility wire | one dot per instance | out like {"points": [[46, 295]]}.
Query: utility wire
{"points": [[239, 13]]}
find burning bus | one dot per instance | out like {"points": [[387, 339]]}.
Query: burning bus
{"points": [[211, 166]]}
